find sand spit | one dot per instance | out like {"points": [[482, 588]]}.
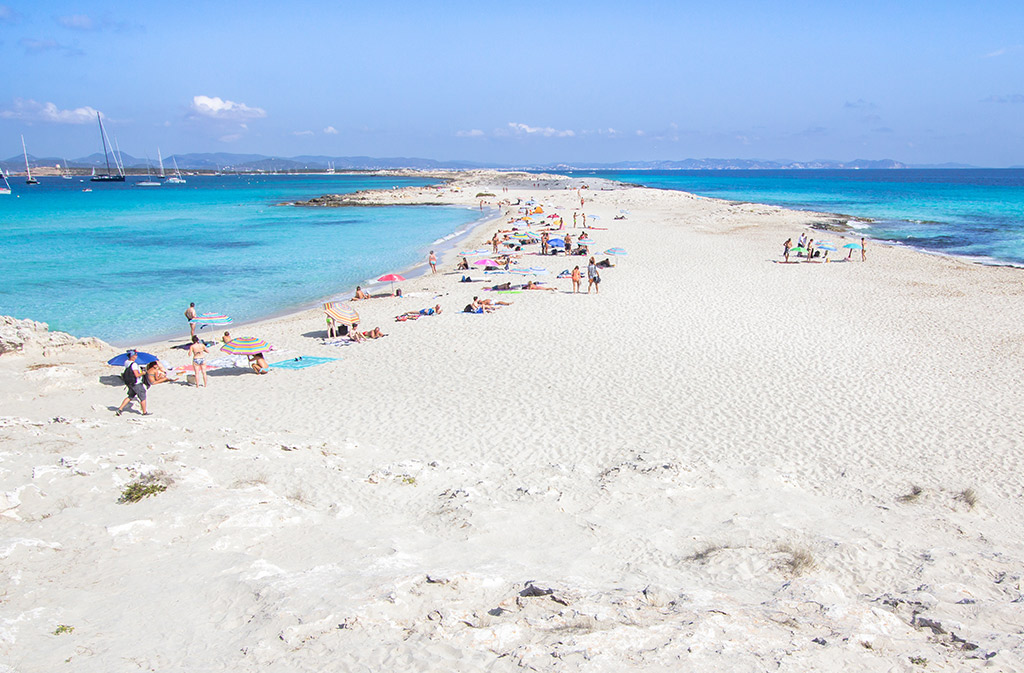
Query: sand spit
{"points": [[719, 462]]}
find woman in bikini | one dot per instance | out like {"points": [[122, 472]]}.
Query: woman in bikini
{"points": [[198, 352], [576, 279]]}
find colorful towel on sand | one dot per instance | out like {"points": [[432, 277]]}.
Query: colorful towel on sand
{"points": [[301, 362]]}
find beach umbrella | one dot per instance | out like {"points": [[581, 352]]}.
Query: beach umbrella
{"points": [[619, 252], [826, 246], [799, 249], [486, 262], [595, 217], [245, 346], [211, 319], [342, 312], [557, 243], [852, 246], [122, 359], [391, 277]]}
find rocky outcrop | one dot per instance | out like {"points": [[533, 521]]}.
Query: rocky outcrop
{"points": [[19, 336]]}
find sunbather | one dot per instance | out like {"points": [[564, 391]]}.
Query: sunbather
{"points": [[360, 294], [259, 363], [536, 286], [416, 314]]}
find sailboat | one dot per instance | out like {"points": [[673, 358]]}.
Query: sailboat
{"points": [[29, 180], [65, 172], [330, 168], [149, 181], [6, 189], [175, 179], [108, 177], [160, 158]]}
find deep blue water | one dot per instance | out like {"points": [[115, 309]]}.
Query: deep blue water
{"points": [[123, 262], [977, 213]]}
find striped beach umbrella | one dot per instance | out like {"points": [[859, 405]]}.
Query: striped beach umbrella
{"points": [[212, 319], [342, 312], [245, 346], [620, 252]]}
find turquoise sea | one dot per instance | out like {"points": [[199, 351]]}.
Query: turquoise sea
{"points": [[974, 213], [122, 262]]}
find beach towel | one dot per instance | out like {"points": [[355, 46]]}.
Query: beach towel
{"points": [[301, 362], [340, 341]]}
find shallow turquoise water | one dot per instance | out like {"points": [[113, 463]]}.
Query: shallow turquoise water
{"points": [[123, 262], [976, 213]]}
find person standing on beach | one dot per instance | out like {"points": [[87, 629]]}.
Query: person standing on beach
{"points": [[801, 242], [863, 251], [133, 379], [433, 262], [593, 277], [190, 315], [574, 214], [576, 279], [785, 249], [198, 353]]}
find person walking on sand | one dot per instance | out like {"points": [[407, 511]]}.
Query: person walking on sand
{"points": [[785, 249], [198, 353], [593, 277], [574, 214], [190, 315], [433, 262], [863, 251], [576, 280], [133, 379]]}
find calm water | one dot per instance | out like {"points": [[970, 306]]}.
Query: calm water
{"points": [[123, 262], [976, 213]]}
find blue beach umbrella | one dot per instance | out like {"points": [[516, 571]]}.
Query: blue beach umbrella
{"points": [[122, 359], [825, 246], [852, 246], [557, 243], [619, 252]]}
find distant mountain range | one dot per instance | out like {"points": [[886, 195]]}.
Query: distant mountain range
{"points": [[258, 162]]}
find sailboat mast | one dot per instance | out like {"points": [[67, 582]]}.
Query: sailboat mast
{"points": [[103, 139]]}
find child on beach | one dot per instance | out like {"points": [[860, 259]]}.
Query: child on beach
{"points": [[576, 280], [433, 261]]}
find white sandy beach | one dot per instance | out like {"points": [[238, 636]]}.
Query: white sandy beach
{"points": [[710, 465]]}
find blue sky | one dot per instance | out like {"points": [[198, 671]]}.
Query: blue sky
{"points": [[513, 82]]}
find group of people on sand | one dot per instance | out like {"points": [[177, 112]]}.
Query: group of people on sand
{"points": [[138, 381], [805, 248]]}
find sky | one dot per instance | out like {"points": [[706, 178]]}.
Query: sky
{"points": [[519, 82]]}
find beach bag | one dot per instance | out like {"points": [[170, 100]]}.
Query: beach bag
{"points": [[129, 377]]}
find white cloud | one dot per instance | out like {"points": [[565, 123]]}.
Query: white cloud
{"points": [[302, 133], [546, 131], [33, 46], [472, 133], [331, 131], [218, 108], [231, 137], [31, 110], [1002, 51], [77, 22]]}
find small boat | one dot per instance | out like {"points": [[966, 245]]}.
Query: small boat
{"points": [[176, 179], [65, 172], [108, 177], [6, 188], [149, 181], [330, 168], [29, 180]]}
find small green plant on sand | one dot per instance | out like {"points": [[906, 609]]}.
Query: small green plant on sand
{"points": [[406, 479], [969, 497], [62, 629], [919, 661], [795, 561], [915, 493], [141, 488]]}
